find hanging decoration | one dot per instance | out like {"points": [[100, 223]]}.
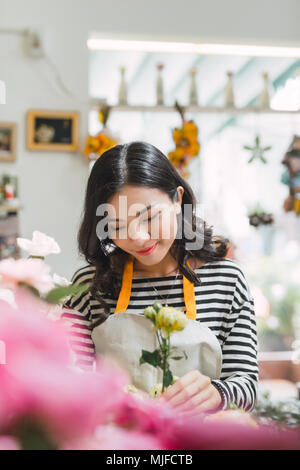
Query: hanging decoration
{"points": [[291, 176], [264, 97], [258, 216], [122, 98], [229, 91], [257, 151], [159, 86], [96, 145], [193, 93], [187, 145]]}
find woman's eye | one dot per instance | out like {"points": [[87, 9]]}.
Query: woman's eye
{"points": [[115, 229], [151, 218]]}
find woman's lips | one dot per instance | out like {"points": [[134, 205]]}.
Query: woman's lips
{"points": [[148, 251]]}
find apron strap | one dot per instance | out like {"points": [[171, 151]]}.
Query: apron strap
{"points": [[125, 292]]}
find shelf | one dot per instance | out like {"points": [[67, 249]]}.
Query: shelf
{"points": [[95, 103], [8, 208]]}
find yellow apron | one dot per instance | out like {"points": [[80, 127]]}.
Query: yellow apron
{"points": [[125, 292]]}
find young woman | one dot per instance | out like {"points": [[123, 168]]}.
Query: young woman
{"points": [[156, 241]]}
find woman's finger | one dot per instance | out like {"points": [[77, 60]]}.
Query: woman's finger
{"points": [[207, 405], [195, 401], [185, 394], [181, 383]]}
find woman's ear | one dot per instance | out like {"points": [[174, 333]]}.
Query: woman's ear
{"points": [[180, 191]]}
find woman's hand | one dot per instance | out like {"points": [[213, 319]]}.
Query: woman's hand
{"points": [[193, 392]]}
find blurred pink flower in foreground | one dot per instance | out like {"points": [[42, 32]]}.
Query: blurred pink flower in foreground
{"points": [[114, 438], [91, 410], [33, 272], [38, 380], [40, 245], [9, 443]]}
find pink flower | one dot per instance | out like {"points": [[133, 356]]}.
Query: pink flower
{"points": [[38, 381], [113, 438], [9, 443], [40, 245], [191, 433], [33, 272]]}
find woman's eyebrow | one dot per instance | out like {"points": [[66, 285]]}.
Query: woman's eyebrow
{"points": [[139, 213]]}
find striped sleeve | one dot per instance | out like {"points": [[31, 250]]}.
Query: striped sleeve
{"points": [[239, 375], [76, 314]]}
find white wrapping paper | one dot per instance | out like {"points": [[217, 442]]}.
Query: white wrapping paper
{"points": [[124, 335]]}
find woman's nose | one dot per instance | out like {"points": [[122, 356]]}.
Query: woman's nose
{"points": [[138, 235]]}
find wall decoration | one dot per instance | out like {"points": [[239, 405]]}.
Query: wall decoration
{"points": [[123, 99], [193, 94], [229, 92], [159, 86], [96, 145], [257, 151], [8, 136], [264, 98], [259, 217], [52, 130], [291, 176], [187, 145]]}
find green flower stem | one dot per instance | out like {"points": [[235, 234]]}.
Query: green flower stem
{"points": [[166, 354]]}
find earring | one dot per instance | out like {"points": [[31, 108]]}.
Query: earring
{"points": [[107, 248]]}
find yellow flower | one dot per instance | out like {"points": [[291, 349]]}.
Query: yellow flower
{"points": [[187, 145], [180, 321], [166, 318], [170, 319], [98, 144], [150, 313]]}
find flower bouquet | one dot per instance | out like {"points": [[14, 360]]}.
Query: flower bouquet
{"points": [[187, 145]]}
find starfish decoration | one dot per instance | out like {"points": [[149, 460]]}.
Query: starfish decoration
{"points": [[257, 151]]}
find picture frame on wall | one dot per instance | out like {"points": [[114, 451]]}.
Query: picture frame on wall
{"points": [[8, 139], [52, 130]]}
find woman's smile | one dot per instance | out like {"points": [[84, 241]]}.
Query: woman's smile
{"points": [[148, 251]]}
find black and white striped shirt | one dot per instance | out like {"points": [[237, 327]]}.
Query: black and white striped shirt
{"points": [[224, 304]]}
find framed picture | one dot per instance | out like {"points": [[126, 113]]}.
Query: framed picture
{"points": [[52, 130], [8, 135]]}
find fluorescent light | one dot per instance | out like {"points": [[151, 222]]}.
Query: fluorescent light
{"points": [[144, 46], [189, 47]]}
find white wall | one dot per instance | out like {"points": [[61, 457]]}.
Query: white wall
{"points": [[52, 184]]}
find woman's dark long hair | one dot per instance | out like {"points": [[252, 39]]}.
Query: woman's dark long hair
{"points": [[139, 164]]}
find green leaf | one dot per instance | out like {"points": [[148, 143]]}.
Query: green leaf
{"points": [[246, 147], [177, 358], [58, 293], [153, 358]]}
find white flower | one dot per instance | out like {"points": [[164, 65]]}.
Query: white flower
{"points": [[7, 295], [33, 272], [60, 281], [40, 245]]}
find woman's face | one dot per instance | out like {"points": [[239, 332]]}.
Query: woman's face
{"points": [[142, 221]]}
